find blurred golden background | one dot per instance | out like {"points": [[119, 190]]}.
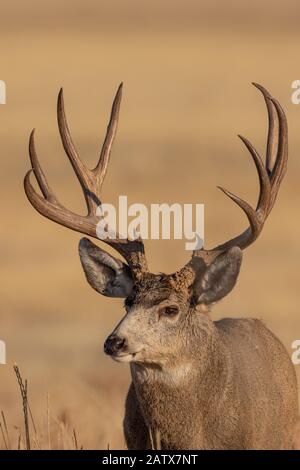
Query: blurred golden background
{"points": [[187, 68]]}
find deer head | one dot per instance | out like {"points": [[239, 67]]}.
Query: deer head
{"points": [[160, 308]]}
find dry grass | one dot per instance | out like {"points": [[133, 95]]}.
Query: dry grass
{"points": [[56, 433], [187, 70]]}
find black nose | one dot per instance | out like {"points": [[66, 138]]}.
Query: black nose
{"points": [[114, 344]]}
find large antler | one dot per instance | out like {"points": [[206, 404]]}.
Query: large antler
{"points": [[270, 176], [91, 182]]}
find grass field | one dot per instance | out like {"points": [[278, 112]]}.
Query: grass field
{"points": [[187, 69]]}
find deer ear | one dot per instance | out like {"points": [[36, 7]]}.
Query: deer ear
{"points": [[219, 278], [106, 274]]}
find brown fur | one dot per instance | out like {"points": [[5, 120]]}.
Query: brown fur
{"points": [[239, 393]]}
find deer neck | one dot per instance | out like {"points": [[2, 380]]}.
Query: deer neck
{"points": [[173, 395]]}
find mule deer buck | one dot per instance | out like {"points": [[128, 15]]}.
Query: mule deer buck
{"points": [[196, 383]]}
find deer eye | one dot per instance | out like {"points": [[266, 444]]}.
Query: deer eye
{"points": [[171, 311]]}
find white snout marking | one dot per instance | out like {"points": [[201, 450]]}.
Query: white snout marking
{"points": [[123, 358]]}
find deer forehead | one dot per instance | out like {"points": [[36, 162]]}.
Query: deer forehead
{"points": [[154, 289]]}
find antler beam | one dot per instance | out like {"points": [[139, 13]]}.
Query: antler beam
{"points": [[91, 182], [270, 176]]}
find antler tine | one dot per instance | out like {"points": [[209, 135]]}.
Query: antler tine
{"points": [[39, 174], [83, 174], [90, 180], [280, 165], [272, 131], [101, 167], [254, 229], [255, 217], [55, 211], [264, 181], [276, 159]]}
